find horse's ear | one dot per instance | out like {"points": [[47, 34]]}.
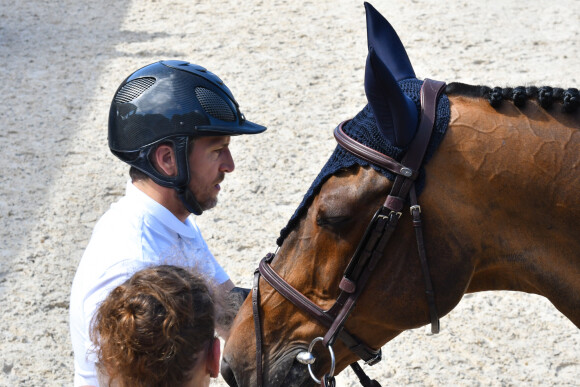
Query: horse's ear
{"points": [[384, 40], [387, 63]]}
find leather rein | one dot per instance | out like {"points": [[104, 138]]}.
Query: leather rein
{"points": [[369, 251]]}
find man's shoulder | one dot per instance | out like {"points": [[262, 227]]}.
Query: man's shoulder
{"points": [[122, 214], [117, 230]]}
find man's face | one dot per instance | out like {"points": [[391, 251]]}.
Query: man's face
{"points": [[209, 161]]}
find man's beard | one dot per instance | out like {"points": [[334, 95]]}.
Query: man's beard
{"points": [[209, 203]]}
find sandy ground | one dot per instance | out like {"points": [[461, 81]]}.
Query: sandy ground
{"points": [[295, 66]]}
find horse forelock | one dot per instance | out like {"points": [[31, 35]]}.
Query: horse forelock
{"points": [[363, 128]]}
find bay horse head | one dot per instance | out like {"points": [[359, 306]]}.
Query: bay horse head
{"points": [[499, 211]]}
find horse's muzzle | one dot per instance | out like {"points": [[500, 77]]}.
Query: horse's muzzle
{"points": [[296, 375]]}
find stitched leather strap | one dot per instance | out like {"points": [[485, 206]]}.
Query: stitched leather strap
{"points": [[414, 157], [369, 154], [299, 300], [365, 259], [257, 326], [371, 247], [429, 292]]}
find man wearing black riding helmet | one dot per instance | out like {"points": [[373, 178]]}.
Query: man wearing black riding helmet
{"points": [[171, 121]]}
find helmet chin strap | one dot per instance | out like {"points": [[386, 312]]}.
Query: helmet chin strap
{"points": [[189, 200]]}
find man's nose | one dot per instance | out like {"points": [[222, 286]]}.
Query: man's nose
{"points": [[228, 164]]}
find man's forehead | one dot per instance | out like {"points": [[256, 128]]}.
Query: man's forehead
{"points": [[214, 140]]}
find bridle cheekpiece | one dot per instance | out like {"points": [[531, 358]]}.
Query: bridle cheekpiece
{"points": [[368, 253]]}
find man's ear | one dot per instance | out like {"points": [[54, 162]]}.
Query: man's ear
{"points": [[213, 358], [163, 158]]}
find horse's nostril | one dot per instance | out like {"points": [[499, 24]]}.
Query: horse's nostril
{"points": [[228, 374]]}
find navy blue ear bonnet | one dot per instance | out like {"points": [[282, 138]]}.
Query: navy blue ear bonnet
{"points": [[363, 128]]}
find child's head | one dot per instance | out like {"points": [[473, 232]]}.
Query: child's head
{"points": [[157, 329]]}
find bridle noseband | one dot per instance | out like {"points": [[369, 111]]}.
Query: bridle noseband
{"points": [[369, 251]]}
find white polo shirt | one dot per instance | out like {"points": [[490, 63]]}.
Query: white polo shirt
{"points": [[136, 232]]}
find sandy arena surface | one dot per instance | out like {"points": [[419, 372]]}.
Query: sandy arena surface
{"points": [[295, 66]]}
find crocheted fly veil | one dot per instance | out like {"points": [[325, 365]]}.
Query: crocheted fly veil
{"points": [[388, 122], [363, 128]]}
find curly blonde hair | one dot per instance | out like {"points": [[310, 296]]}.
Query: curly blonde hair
{"points": [[151, 330]]}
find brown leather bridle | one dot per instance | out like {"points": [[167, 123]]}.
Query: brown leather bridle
{"points": [[370, 249]]}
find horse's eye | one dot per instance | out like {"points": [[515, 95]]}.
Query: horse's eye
{"points": [[332, 221]]}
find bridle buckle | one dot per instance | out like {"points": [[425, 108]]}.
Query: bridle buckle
{"points": [[378, 357]]}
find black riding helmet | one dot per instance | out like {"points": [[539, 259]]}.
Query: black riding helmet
{"points": [[168, 102]]}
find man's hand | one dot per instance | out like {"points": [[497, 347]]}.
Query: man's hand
{"points": [[240, 293], [229, 301]]}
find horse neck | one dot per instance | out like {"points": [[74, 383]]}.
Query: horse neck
{"points": [[502, 190]]}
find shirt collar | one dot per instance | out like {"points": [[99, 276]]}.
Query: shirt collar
{"points": [[160, 213]]}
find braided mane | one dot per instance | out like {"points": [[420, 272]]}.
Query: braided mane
{"points": [[545, 95]]}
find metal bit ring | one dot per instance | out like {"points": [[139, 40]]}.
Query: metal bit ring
{"points": [[332, 361]]}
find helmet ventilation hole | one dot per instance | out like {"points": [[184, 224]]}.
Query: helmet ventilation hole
{"points": [[133, 89], [214, 105]]}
